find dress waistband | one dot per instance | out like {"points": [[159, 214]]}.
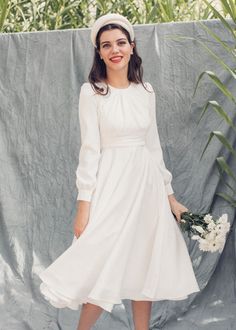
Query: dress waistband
{"points": [[123, 142]]}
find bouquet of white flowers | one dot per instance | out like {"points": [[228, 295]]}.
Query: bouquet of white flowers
{"points": [[209, 232]]}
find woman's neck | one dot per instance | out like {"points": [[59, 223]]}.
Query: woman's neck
{"points": [[118, 80]]}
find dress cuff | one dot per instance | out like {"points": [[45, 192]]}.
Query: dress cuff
{"points": [[169, 189], [84, 195]]}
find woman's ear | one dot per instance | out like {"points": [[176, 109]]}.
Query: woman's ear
{"points": [[132, 46]]}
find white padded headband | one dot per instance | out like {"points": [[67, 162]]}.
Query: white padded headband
{"points": [[108, 19]]}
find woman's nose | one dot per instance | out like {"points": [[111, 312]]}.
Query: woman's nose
{"points": [[115, 49]]}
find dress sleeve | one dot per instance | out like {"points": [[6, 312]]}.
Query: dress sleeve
{"points": [[153, 143], [89, 155]]}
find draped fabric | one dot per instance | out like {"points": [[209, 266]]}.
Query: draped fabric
{"points": [[40, 78]]}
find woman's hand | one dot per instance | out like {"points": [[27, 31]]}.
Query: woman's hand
{"points": [[176, 207], [81, 218]]}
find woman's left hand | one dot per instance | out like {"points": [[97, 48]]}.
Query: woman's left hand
{"points": [[176, 207]]}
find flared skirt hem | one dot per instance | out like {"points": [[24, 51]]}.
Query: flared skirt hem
{"points": [[59, 300]]}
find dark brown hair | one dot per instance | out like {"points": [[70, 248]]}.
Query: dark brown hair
{"points": [[98, 71]]}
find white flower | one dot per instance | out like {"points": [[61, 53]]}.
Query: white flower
{"points": [[211, 225], [207, 218], [226, 227], [199, 229], [223, 228], [223, 218], [210, 236], [220, 239], [212, 242], [195, 237], [213, 237], [203, 245], [210, 245], [214, 246]]}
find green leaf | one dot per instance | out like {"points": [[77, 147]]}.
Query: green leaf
{"points": [[229, 9], [220, 111], [233, 8], [222, 139], [215, 36], [4, 12], [217, 13], [217, 82], [224, 167], [228, 198]]}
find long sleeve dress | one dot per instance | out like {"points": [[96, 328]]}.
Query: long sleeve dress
{"points": [[132, 246]]}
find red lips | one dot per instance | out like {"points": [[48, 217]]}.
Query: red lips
{"points": [[116, 59]]}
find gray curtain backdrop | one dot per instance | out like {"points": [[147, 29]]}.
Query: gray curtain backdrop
{"points": [[40, 78]]}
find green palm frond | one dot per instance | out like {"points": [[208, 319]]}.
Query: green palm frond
{"points": [[220, 136], [223, 167], [220, 111], [218, 83]]}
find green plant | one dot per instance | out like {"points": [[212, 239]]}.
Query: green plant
{"points": [[228, 10], [229, 7], [3, 12], [42, 15]]}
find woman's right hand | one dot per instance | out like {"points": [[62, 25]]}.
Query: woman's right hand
{"points": [[81, 218]]}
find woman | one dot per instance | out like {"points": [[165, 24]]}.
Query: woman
{"points": [[127, 243]]}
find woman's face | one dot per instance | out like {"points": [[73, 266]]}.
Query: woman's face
{"points": [[115, 50]]}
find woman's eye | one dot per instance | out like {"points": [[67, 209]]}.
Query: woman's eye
{"points": [[122, 43]]}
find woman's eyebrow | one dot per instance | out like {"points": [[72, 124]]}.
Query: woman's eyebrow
{"points": [[116, 40]]}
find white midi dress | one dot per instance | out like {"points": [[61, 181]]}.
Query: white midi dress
{"points": [[132, 246]]}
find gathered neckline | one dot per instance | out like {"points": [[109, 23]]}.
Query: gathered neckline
{"points": [[120, 89]]}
